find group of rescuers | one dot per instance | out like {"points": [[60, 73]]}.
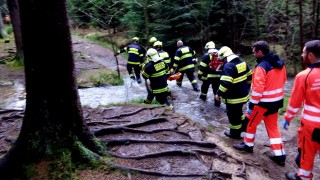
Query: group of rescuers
{"points": [[235, 84]]}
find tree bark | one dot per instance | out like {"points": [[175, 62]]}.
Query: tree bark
{"points": [[16, 24], [53, 116], [3, 34]]}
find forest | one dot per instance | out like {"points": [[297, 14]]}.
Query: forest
{"points": [[54, 125], [284, 24]]}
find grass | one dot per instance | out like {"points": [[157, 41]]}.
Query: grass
{"points": [[99, 77]]}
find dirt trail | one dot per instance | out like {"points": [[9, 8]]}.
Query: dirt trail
{"points": [[160, 144]]}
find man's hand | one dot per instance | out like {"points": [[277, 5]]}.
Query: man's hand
{"points": [[171, 70], [285, 124], [217, 97]]}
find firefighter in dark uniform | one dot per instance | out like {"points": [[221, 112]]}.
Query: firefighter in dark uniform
{"points": [[209, 75], [158, 45], [136, 53], [183, 62], [234, 88], [156, 71]]}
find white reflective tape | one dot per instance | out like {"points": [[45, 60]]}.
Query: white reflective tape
{"points": [[279, 152], [275, 141], [304, 172], [295, 110], [250, 136], [253, 93], [311, 118], [253, 101], [288, 115], [311, 108], [271, 99], [249, 144], [273, 91]]}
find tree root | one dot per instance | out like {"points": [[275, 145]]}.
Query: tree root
{"points": [[154, 173], [198, 143], [194, 152], [133, 125], [242, 173], [132, 113]]}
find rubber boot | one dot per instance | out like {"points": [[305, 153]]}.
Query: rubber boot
{"points": [[195, 87]]}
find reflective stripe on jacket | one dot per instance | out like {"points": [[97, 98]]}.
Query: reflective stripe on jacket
{"points": [[183, 58], [234, 87], [268, 81], [306, 90], [156, 73], [135, 53]]}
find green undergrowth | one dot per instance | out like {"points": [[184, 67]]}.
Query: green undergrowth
{"points": [[99, 77], [64, 164]]}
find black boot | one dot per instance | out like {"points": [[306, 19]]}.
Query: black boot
{"points": [[203, 97], [280, 160], [217, 103], [139, 81], [243, 147], [292, 176], [232, 135], [195, 87]]}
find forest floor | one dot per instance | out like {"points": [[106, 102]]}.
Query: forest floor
{"points": [[150, 142]]}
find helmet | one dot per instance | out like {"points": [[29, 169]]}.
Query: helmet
{"points": [[157, 44], [153, 54], [213, 51], [226, 52], [210, 45], [135, 39], [153, 39]]}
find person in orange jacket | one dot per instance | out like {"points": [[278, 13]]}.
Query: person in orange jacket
{"points": [[306, 91], [268, 79]]}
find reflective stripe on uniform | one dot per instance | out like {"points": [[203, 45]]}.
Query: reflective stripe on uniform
{"points": [[186, 67]]}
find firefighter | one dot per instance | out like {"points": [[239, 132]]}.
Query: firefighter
{"points": [[156, 71], [268, 79], [135, 59], [209, 75], [152, 40], [233, 89], [158, 45], [184, 63], [306, 92]]}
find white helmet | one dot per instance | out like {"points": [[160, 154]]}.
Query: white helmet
{"points": [[153, 54], [210, 45], [226, 52]]}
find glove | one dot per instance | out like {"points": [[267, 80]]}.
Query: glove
{"points": [[194, 60], [285, 124], [249, 111]]}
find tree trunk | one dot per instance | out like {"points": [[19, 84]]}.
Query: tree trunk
{"points": [[15, 21], [3, 33], [53, 116]]}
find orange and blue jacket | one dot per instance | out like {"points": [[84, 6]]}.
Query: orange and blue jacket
{"points": [[235, 82], [135, 52], [306, 91], [268, 79], [183, 58]]}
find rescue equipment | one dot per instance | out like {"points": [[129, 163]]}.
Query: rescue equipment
{"points": [[174, 76], [215, 64]]}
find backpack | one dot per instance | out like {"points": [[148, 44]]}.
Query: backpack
{"points": [[215, 64]]}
